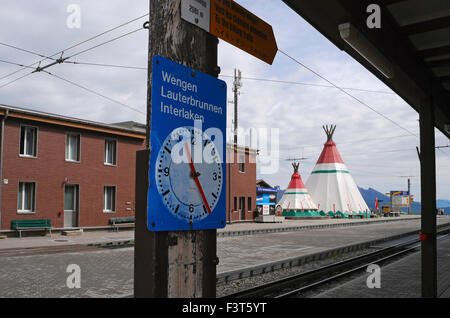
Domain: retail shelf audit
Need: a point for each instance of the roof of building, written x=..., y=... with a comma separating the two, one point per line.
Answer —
x=129, y=130
x=249, y=150
x=262, y=183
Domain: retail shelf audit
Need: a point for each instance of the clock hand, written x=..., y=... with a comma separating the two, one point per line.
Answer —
x=195, y=175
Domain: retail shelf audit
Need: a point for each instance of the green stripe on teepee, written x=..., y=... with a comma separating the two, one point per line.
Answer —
x=330, y=171
x=296, y=193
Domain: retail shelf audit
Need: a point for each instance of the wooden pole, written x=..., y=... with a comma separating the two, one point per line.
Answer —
x=176, y=263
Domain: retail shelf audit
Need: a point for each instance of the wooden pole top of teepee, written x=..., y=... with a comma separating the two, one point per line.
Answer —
x=329, y=131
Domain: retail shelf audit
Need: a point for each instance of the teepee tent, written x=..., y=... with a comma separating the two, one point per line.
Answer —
x=331, y=185
x=296, y=200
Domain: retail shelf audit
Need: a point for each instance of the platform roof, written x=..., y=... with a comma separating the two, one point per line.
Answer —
x=414, y=37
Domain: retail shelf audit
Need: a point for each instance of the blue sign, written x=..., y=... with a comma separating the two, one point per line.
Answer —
x=187, y=172
x=262, y=189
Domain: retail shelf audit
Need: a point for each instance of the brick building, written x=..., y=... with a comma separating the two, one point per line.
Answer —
x=241, y=161
x=76, y=173
x=80, y=173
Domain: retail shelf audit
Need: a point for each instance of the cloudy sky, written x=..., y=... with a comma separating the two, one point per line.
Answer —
x=376, y=151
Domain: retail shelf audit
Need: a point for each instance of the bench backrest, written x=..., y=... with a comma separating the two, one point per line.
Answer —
x=130, y=219
x=30, y=223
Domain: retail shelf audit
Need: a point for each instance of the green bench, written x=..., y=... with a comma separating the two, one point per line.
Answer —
x=31, y=225
x=122, y=222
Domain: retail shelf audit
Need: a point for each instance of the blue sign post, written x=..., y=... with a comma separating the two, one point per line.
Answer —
x=187, y=172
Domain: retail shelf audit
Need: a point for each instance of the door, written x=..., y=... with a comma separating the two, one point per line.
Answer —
x=70, y=205
x=242, y=207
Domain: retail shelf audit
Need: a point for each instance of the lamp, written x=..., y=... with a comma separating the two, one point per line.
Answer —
x=360, y=44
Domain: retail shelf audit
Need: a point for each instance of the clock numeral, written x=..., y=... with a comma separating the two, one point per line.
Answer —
x=166, y=171
x=214, y=176
x=191, y=208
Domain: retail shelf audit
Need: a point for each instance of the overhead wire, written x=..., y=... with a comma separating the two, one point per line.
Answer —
x=347, y=93
x=308, y=84
x=76, y=45
x=95, y=92
x=75, y=54
x=107, y=65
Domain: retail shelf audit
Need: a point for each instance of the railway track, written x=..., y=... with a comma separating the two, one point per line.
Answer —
x=300, y=284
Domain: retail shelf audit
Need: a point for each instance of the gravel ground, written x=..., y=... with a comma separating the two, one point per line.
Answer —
x=225, y=289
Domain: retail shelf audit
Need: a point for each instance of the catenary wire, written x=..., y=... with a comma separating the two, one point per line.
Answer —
x=307, y=84
x=94, y=92
x=14, y=80
x=107, y=65
x=347, y=93
x=78, y=44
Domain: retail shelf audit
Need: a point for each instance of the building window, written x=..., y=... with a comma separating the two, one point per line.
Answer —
x=110, y=152
x=241, y=162
x=249, y=203
x=109, y=199
x=235, y=204
x=27, y=197
x=73, y=147
x=28, y=141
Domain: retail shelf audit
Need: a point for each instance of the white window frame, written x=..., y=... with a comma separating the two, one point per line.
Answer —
x=113, y=210
x=241, y=163
x=107, y=140
x=35, y=144
x=22, y=199
x=67, y=156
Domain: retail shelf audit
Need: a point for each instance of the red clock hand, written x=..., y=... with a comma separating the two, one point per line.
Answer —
x=195, y=176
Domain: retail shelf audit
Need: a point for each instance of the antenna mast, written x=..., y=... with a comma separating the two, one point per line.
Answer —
x=237, y=84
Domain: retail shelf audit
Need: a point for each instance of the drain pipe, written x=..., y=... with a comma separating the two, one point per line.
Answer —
x=1, y=162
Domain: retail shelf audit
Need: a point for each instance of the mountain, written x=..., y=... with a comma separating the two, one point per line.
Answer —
x=370, y=194
x=442, y=204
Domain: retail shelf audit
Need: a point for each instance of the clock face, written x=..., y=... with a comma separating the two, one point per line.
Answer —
x=189, y=174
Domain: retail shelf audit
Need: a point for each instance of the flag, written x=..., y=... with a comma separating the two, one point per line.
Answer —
x=376, y=203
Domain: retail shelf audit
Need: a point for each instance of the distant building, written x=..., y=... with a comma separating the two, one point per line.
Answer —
x=266, y=195
x=241, y=162
x=75, y=172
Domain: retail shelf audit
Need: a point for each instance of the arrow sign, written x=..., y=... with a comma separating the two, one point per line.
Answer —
x=241, y=28
x=233, y=23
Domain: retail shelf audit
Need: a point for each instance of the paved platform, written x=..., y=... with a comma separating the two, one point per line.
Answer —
x=244, y=228
x=109, y=272
x=236, y=252
x=400, y=279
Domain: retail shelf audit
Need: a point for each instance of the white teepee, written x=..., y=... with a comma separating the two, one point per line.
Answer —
x=332, y=187
x=296, y=200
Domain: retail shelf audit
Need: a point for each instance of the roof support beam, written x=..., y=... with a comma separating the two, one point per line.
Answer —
x=439, y=63
x=426, y=26
x=389, y=2
x=442, y=50
x=445, y=79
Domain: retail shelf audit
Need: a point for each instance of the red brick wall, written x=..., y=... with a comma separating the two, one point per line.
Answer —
x=50, y=169
x=243, y=184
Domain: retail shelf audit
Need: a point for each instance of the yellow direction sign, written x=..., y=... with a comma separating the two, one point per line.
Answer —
x=233, y=23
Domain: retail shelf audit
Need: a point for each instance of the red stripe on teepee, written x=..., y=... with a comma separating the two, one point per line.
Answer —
x=330, y=154
x=296, y=182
